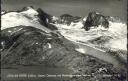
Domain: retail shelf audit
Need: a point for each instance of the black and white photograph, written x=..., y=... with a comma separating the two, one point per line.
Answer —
x=63, y=40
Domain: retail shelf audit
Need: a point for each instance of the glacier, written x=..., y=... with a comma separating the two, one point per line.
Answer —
x=117, y=31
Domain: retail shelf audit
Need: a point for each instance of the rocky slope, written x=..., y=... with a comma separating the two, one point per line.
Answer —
x=30, y=46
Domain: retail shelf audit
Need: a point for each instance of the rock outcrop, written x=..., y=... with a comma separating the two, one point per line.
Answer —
x=67, y=19
x=95, y=19
x=46, y=19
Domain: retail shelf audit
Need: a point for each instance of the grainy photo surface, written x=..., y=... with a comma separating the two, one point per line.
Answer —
x=63, y=40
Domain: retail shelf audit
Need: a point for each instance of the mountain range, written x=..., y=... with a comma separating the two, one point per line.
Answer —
x=34, y=37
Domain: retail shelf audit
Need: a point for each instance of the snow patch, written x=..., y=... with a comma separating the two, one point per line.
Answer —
x=9, y=31
x=49, y=45
x=81, y=50
x=118, y=44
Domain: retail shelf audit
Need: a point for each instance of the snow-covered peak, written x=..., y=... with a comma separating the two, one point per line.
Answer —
x=27, y=17
x=30, y=12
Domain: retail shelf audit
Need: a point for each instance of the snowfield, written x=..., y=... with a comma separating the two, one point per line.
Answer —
x=25, y=18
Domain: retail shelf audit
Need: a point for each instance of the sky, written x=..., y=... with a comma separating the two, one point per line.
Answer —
x=73, y=7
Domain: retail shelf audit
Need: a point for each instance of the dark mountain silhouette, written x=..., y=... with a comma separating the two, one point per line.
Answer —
x=45, y=19
x=95, y=19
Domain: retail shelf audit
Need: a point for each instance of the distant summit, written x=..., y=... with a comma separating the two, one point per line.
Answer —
x=27, y=8
x=67, y=19
x=28, y=16
x=95, y=19
x=45, y=19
